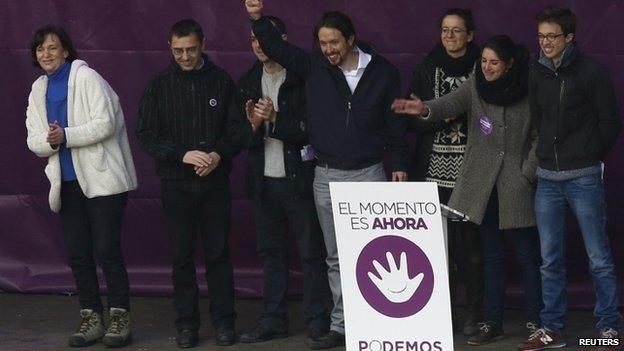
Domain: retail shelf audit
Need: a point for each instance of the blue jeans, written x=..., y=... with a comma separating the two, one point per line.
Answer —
x=585, y=196
x=525, y=242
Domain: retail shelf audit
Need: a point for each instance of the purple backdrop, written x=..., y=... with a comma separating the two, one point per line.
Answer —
x=126, y=42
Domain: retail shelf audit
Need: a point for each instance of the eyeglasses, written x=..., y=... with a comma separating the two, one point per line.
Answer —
x=448, y=31
x=192, y=51
x=548, y=37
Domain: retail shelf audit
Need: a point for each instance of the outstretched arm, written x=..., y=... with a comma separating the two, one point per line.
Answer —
x=454, y=103
x=288, y=55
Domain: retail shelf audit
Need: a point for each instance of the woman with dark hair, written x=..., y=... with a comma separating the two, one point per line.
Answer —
x=495, y=186
x=439, y=151
x=75, y=120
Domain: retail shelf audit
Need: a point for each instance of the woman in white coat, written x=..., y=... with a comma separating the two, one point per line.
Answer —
x=75, y=120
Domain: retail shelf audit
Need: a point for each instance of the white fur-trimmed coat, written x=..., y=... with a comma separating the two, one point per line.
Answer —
x=96, y=135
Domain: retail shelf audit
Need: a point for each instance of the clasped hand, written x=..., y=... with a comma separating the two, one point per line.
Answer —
x=56, y=135
x=261, y=111
x=203, y=162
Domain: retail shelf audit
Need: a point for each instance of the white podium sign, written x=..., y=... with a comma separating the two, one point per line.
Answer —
x=393, y=266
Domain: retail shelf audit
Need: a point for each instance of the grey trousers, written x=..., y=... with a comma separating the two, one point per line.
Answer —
x=322, y=177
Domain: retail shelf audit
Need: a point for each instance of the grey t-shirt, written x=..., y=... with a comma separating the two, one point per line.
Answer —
x=273, y=148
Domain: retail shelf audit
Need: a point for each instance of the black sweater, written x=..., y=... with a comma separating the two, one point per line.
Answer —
x=289, y=127
x=576, y=112
x=189, y=110
x=347, y=131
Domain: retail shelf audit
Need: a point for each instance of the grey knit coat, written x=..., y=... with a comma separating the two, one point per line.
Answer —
x=500, y=152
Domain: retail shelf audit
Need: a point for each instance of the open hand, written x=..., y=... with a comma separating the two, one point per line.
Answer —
x=412, y=106
x=395, y=284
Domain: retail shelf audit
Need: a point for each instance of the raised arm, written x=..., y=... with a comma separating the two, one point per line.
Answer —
x=288, y=55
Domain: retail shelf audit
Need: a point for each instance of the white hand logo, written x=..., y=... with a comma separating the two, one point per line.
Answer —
x=395, y=284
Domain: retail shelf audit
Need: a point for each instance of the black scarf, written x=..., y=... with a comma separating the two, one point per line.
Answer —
x=454, y=67
x=510, y=88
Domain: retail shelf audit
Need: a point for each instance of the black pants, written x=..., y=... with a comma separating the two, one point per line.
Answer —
x=466, y=264
x=465, y=260
x=94, y=225
x=526, y=245
x=206, y=212
x=278, y=210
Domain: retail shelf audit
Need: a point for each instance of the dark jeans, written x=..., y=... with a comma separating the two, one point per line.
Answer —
x=278, y=210
x=206, y=212
x=525, y=242
x=466, y=264
x=94, y=225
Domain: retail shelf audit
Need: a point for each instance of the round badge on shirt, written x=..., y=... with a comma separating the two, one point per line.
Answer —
x=485, y=125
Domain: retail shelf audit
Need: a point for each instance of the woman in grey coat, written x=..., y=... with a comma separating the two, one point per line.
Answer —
x=495, y=187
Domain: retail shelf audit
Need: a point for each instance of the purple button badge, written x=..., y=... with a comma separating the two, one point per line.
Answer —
x=486, y=125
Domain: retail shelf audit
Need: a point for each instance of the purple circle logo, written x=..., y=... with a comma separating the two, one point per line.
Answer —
x=394, y=276
x=486, y=125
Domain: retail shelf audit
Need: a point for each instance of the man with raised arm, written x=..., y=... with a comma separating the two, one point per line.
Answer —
x=279, y=180
x=349, y=89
